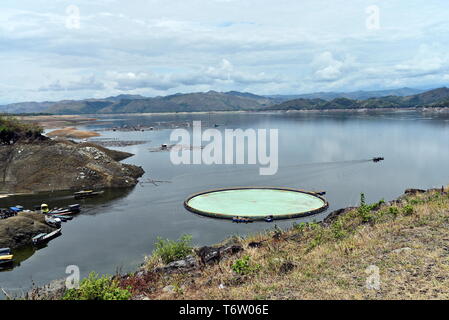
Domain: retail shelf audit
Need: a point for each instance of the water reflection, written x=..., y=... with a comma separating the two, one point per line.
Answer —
x=316, y=152
x=89, y=206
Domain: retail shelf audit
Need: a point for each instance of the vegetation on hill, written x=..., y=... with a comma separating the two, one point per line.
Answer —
x=13, y=130
x=394, y=250
x=239, y=101
x=432, y=98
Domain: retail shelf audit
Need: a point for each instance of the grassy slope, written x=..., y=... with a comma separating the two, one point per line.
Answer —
x=330, y=260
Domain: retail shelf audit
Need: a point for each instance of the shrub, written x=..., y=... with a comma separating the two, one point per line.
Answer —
x=170, y=250
x=97, y=288
x=408, y=210
x=244, y=266
x=338, y=229
x=12, y=130
x=393, y=211
x=364, y=211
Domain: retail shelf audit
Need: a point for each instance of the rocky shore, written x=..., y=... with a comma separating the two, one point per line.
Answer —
x=16, y=232
x=51, y=165
x=405, y=238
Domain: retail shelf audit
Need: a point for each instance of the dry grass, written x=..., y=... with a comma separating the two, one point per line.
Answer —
x=409, y=244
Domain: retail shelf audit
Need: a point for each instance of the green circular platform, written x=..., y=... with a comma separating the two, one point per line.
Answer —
x=256, y=203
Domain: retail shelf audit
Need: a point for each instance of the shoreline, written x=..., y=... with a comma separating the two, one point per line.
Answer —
x=311, y=253
x=77, y=119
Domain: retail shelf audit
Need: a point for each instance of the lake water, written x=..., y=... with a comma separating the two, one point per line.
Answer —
x=316, y=152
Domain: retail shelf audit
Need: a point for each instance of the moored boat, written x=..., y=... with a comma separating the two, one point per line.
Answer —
x=52, y=221
x=72, y=209
x=6, y=257
x=241, y=220
x=86, y=194
x=43, y=238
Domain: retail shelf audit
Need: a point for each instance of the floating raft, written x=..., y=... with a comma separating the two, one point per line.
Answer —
x=256, y=203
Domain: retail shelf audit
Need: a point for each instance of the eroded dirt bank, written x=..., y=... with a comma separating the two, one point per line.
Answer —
x=63, y=165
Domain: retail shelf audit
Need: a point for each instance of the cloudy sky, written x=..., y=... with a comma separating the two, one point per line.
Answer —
x=57, y=49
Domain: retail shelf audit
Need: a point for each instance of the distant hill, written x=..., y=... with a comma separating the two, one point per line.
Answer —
x=25, y=107
x=233, y=101
x=356, y=95
x=190, y=102
x=431, y=98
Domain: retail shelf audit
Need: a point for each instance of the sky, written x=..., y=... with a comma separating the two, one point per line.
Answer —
x=56, y=49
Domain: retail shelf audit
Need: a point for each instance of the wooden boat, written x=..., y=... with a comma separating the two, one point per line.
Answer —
x=241, y=220
x=52, y=221
x=72, y=209
x=43, y=238
x=6, y=257
x=86, y=194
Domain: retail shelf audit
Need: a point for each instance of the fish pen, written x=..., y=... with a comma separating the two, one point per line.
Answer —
x=256, y=203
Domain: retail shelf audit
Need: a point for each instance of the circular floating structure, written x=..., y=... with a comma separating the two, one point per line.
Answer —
x=256, y=203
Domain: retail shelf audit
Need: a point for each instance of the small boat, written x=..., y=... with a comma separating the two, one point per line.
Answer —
x=6, y=257
x=269, y=219
x=320, y=193
x=86, y=194
x=43, y=238
x=16, y=209
x=241, y=220
x=72, y=209
x=53, y=221
x=378, y=159
x=63, y=218
x=7, y=213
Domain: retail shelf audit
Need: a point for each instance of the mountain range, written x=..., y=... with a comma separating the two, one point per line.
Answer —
x=234, y=101
x=356, y=95
x=432, y=98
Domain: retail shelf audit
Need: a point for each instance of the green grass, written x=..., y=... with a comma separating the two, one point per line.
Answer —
x=98, y=288
x=244, y=266
x=170, y=250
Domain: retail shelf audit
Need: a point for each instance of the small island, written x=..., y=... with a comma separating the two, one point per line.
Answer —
x=31, y=162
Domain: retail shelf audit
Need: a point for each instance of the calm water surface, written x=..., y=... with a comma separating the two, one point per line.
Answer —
x=316, y=152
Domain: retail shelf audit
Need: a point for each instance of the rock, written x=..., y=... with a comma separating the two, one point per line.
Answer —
x=187, y=264
x=414, y=191
x=210, y=255
x=401, y=250
x=231, y=250
x=286, y=267
x=18, y=231
x=53, y=291
x=63, y=165
x=255, y=244
x=169, y=289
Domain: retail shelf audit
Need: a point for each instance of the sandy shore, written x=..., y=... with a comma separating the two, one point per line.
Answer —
x=58, y=121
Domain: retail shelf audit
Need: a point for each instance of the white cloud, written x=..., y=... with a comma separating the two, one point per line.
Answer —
x=83, y=83
x=162, y=47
